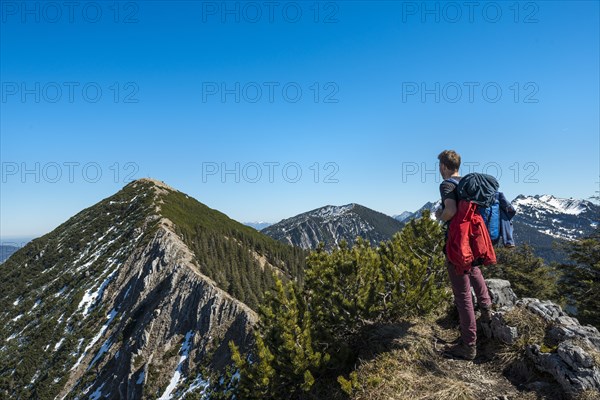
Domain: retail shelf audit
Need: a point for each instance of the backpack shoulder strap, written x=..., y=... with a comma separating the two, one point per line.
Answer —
x=452, y=180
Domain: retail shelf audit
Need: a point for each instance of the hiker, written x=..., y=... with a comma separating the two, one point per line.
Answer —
x=461, y=282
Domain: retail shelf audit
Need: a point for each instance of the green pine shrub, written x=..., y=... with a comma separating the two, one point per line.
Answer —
x=308, y=337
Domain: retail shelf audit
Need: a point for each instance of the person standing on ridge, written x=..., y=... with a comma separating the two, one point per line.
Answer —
x=461, y=283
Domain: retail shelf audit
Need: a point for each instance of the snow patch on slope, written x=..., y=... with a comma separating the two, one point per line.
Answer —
x=97, y=394
x=551, y=204
x=92, y=297
x=185, y=351
x=331, y=212
x=111, y=315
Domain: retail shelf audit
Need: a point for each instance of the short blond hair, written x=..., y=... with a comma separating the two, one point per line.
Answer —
x=450, y=159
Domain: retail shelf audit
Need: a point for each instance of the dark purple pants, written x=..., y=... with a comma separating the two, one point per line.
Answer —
x=461, y=286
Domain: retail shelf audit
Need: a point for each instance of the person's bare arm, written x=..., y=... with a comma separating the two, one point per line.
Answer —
x=449, y=210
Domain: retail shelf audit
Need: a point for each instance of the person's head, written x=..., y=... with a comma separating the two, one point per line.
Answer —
x=449, y=163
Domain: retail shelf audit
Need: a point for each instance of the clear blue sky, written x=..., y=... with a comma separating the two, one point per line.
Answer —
x=189, y=88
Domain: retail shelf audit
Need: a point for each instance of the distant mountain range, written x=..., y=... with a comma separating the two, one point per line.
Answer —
x=559, y=218
x=408, y=215
x=403, y=217
x=544, y=221
x=258, y=225
x=6, y=251
x=332, y=224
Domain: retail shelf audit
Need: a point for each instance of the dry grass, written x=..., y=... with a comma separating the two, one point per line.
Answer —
x=391, y=377
x=531, y=329
x=409, y=372
x=588, y=395
x=407, y=364
x=595, y=355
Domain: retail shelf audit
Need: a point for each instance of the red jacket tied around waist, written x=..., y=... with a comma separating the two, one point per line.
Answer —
x=468, y=242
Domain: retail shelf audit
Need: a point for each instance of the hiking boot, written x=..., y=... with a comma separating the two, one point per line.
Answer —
x=461, y=351
x=486, y=314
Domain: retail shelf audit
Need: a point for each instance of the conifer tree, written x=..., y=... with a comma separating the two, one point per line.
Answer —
x=581, y=278
x=342, y=289
x=255, y=380
x=528, y=274
x=414, y=275
x=285, y=361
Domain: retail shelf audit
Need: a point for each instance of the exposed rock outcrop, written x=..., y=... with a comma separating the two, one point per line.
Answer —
x=501, y=293
x=572, y=361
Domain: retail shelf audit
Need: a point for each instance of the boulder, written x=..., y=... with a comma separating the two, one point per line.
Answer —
x=571, y=366
x=497, y=328
x=572, y=363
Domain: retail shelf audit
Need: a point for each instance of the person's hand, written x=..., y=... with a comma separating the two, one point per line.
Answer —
x=438, y=213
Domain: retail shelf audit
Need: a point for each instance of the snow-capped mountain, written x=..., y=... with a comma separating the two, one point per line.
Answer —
x=407, y=215
x=546, y=221
x=332, y=224
x=403, y=216
x=132, y=298
x=560, y=218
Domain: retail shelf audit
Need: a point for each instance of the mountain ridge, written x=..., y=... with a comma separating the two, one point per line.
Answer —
x=106, y=303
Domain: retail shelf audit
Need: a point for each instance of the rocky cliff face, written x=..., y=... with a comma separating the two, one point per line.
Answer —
x=115, y=304
x=164, y=317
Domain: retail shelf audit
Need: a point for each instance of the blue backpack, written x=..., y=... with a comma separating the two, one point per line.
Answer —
x=491, y=216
